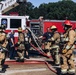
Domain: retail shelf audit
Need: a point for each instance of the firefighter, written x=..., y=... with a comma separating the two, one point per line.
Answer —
x=3, y=44
x=11, y=45
x=20, y=45
x=28, y=38
x=54, y=48
x=45, y=41
x=68, y=39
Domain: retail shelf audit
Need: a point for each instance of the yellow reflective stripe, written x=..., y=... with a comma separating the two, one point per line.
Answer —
x=68, y=47
x=52, y=39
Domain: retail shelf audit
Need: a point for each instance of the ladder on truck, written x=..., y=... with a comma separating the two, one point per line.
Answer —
x=6, y=5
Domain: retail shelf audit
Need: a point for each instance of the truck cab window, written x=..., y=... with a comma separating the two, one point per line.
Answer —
x=15, y=23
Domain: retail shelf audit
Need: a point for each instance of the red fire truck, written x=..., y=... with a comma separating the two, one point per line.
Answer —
x=12, y=22
x=40, y=27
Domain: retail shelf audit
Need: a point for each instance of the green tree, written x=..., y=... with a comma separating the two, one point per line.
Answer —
x=53, y=10
x=59, y=10
x=24, y=9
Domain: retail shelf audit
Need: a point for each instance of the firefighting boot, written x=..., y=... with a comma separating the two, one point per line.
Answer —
x=64, y=68
x=71, y=69
x=21, y=59
x=0, y=67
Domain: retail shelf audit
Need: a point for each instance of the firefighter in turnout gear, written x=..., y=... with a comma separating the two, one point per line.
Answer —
x=20, y=45
x=45, y=41
x=3, y=44
x=68, y=39
x=54, y=48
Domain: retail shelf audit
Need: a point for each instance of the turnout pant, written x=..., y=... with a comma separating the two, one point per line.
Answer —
x=68, y=62
x=2, y=58
x=55, y=54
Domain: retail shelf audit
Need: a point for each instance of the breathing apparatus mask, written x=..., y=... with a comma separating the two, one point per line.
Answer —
x=66, y=27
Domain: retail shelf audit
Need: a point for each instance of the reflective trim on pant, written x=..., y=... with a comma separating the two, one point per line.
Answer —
x=55, y=54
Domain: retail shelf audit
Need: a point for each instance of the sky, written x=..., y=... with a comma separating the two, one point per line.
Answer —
x=38, y=2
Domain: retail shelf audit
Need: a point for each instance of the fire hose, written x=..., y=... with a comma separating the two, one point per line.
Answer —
x=52, y=69
x=44, y=54
x=41, y=51
x=34, y=37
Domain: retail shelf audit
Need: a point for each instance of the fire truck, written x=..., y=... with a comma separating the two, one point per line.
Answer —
x=39, y=27
x=12, y=22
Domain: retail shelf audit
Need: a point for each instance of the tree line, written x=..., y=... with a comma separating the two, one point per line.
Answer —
x=53, y=10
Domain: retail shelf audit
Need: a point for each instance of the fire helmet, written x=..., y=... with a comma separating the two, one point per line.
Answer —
x=19, y=29
x=53, y=27
x=67, y=23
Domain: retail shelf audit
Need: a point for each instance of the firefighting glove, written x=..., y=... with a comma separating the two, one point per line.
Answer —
x=64, y=51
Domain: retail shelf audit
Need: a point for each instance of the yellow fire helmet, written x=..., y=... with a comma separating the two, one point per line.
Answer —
x=20, y=29
x=53, y=27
